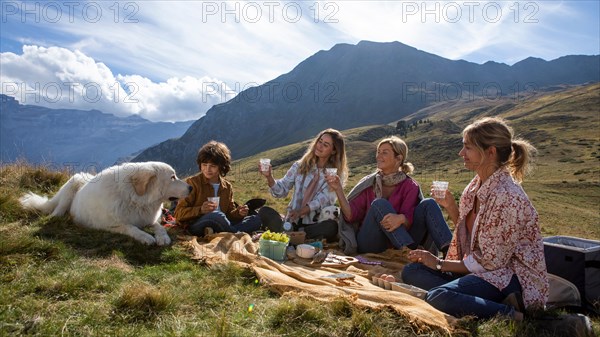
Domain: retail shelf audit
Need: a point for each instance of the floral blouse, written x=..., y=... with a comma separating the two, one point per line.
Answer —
x=294, y=179
x=506, y=237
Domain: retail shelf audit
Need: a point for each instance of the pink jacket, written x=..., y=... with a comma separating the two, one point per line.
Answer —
x=404, y=199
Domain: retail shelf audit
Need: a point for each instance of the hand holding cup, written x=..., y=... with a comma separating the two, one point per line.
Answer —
x=265, y=166
x=443, y=197
x=215, y=201
x=334, y=182
x=438, y=189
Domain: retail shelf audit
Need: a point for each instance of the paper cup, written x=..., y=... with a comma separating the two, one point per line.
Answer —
x=439, y=188
x=216, y=201
x=265, y=163
x=330, y=171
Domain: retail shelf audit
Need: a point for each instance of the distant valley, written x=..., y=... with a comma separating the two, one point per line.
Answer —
x=82, y=140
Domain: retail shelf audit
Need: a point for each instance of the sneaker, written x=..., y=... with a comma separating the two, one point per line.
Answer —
x=208, y=231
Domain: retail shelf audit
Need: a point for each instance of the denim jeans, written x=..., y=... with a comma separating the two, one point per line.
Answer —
x=372, y=237
x=219, y=223
x=429, y=229
x=428, y=224
x=460, y=295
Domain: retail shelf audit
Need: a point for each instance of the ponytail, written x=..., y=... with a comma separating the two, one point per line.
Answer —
x=519, y=163
x=407, y=168
x=514, y=154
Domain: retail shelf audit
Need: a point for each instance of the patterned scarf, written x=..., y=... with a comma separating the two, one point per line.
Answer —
x=387, y=180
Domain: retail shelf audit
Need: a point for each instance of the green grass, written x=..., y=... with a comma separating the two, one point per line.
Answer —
x=60, y=279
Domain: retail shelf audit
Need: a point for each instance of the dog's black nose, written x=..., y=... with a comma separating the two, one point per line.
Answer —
x=336, y=213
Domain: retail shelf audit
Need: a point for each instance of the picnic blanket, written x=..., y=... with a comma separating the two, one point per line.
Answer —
x=299, y=277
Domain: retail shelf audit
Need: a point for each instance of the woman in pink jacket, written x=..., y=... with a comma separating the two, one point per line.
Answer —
x=495, y=264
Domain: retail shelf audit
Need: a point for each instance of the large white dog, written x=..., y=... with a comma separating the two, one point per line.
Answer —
x=120, y=199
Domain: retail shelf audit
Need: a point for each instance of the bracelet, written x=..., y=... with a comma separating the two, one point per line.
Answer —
x=438, y=265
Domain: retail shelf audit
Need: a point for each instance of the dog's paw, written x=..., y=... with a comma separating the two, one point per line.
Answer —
x=146, y=239
x=163, y=240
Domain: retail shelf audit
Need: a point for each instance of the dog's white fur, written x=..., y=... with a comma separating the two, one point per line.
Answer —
x=329, y=213
x=121, y=199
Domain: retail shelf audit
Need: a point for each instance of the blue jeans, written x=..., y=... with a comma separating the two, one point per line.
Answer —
x=428, y=223
x=372, y=237
x=460, y=295
x=429, y=228
x=219, y=223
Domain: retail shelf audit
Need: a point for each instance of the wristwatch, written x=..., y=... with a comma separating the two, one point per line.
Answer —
x=438, y=265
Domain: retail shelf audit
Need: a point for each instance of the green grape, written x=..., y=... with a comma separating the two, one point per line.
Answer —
x=281, y=237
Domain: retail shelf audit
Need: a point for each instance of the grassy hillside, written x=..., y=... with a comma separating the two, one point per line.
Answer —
x=564, y=126
x=59, y=279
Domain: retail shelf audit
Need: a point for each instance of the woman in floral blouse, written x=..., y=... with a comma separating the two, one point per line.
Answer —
x=495, y=264
x=307, y=178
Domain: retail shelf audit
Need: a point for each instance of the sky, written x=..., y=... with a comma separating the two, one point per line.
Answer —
x=173, y=60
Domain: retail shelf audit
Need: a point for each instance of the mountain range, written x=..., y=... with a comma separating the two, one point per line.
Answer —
x=356, y=85
x=80, y=139
x=345, y=87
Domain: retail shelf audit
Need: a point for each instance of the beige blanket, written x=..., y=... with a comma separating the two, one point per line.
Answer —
x=298, y=276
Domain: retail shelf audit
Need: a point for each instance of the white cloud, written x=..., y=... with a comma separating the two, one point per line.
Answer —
x=59, y=78
x=163, y=39
x=184, y=98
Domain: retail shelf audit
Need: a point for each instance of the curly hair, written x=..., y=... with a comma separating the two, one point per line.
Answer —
x=215, y=153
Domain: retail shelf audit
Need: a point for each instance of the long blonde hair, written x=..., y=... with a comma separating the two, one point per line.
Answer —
x=400, y=148
x=514, y=154
x=337, y=158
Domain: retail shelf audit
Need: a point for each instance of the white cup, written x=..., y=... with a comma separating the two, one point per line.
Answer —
x=439, y=189
x=215, y=200
x=330, y=171
x=264, y=164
